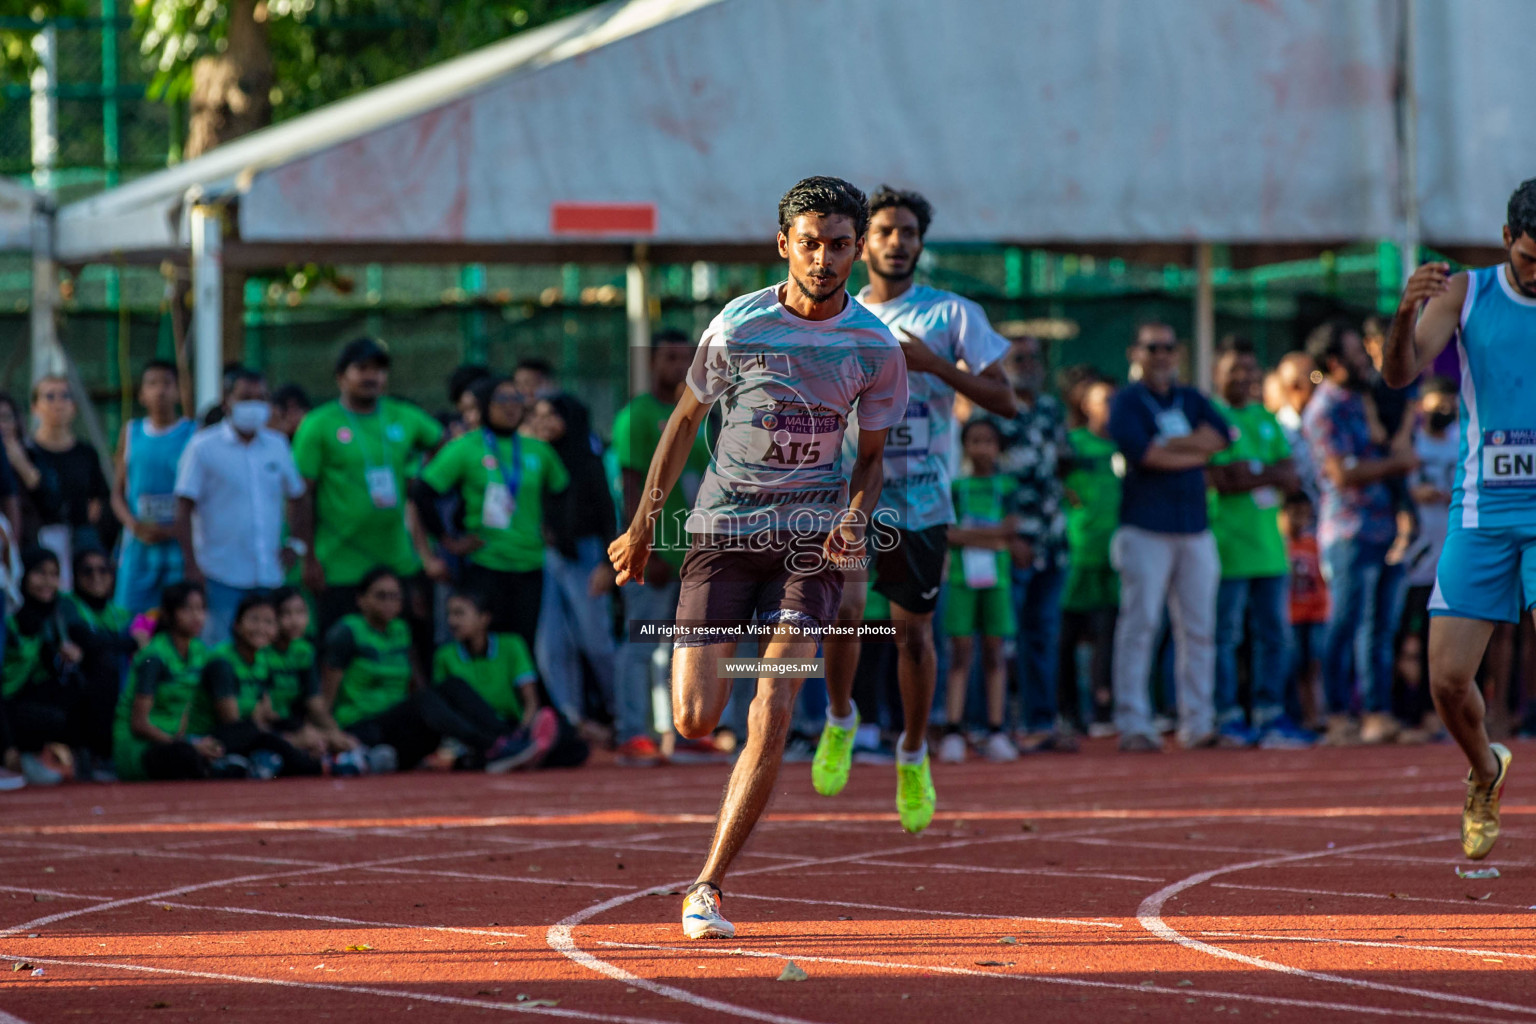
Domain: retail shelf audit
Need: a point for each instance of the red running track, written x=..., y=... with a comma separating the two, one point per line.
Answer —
x=1289, y=886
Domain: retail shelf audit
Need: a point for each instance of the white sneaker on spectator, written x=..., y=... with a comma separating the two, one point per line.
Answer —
x=952, y=749
x=1000, y=748
x=10, y=780
x=36, y=773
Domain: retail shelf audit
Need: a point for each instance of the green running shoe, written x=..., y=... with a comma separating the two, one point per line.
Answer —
x=834, y=758
x=914, y=795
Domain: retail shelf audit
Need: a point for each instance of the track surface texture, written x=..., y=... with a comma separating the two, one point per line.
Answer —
x=1311, y=886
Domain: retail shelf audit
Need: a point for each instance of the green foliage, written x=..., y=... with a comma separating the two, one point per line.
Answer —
x=16, y=56
x=323, y=50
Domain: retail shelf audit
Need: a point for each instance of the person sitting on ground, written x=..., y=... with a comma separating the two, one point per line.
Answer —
x=50, y=707
x=979, y=598
x=234, y=704
x=374, y=689
x=151, y=739
x=105, y=639
x=294, y=708
x=498, y=669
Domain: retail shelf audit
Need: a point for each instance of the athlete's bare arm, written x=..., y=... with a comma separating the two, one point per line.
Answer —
x=864, y=484
x=988, y=389
x=1416, y=339
x=630, y=551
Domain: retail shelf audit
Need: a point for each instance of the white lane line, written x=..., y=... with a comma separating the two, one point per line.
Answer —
x=914, y=910
x=1047, y=979
x=358, y=922
x=1463, y=902
x=6, y=1018
x=1045, y=872
x=561, y=935
x=370, y=990
x=56, y=894
x=474, y=877
x=1375, y=945
x=1150, y=916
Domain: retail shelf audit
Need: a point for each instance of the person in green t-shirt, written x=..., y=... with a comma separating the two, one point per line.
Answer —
x=503, y=478
x=294, y=708
x=356, y=456
x=1090, y=604
x=154, y=736
x=496, y=670
x=374, y=689
x=1249, y=481
x=979, y=598
x=636, y=434
x=235, y=695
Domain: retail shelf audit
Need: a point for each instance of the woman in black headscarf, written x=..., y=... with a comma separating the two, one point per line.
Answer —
x=577, y=620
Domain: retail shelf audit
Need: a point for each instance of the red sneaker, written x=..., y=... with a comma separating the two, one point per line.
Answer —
x=702, y=751
x=640, y=752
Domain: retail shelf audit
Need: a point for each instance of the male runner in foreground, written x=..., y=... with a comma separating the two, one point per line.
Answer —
x=780, y=514
x=1490, y=549
x=937, y=329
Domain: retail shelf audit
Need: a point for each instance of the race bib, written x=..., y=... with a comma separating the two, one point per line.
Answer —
x=1266, y=497
x=1509, y=458
x=1172, y=423
x=785, y=440
x=912, y=433
x=496, y=511
x=157, y=508
x=980, y=568
x=381, y=487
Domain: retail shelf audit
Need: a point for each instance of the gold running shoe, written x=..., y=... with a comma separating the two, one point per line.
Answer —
x=1480, y=817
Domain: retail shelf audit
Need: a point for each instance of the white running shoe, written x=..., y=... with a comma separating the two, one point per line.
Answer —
x=701, y=914
x=1000, y=748
x=952, y=749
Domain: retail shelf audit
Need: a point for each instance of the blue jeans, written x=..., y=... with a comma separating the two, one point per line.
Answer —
x=1367, y=598
x=222, y=603
x=1037, y=600
x=637, y=667
x=573, y=624
x=1264, y=603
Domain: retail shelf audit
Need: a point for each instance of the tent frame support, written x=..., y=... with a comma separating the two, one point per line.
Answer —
x=207, y=229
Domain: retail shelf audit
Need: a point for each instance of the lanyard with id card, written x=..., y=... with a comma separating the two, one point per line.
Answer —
x=500, y=502
x=383, y=489
x=1171, y=422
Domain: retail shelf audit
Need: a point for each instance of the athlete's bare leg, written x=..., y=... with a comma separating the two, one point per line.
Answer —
x=842, y=654
x=699, y=694
x=917, y=666
x=1456, y=649
x=757, y=769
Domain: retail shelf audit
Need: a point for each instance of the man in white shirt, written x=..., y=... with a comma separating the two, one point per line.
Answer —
x=230, y=491
x=1298, y=378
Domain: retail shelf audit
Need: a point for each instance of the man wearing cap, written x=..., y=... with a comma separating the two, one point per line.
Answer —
x=356, y=455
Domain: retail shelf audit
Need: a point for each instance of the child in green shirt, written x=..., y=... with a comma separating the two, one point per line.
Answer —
x=979, y=599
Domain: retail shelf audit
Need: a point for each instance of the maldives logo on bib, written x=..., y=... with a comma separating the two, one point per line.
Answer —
x=1509, y=458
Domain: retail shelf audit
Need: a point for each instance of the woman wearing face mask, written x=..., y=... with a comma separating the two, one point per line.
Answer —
x=48, y=705
x=503, y=478
x=71, y=493
x=231, y=486
x=579, y=522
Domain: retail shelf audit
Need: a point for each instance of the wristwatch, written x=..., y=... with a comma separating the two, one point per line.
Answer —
x=297, y=546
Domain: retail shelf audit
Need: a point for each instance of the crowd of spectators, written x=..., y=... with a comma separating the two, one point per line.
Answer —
x=358, y=586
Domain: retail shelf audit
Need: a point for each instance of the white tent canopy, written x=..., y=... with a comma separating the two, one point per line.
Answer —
x=680, y=122
x=17, y=202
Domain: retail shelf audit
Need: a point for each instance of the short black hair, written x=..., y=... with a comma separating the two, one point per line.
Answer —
x=670, y=336
x=1326, y=342
x=887, y=197
x=536, y=364
x=290, y=395
x=1521, y=215
x=260, y=599
x=980, y=421
x=373, y=576
x=1439, y=386
x=240, y=374
x=475, y=596
x=160, y=364
x=282, y=595
x=1237, y=344
x=461, y=379
x=830, y=197
x=173, y=599
x=1298, y=498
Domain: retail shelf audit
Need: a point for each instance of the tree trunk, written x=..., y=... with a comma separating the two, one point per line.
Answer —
x=231, y=97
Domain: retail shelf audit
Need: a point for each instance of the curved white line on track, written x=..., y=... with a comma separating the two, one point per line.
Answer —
x=1150, y=914
x=1047, y=979
x=1374, y=945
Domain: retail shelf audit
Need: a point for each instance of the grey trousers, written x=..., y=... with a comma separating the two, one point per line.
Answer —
x=1183, y=571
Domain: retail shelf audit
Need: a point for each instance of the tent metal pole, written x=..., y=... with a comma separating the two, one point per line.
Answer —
x=1408, y=142
x=47, y=357
x=207, y=226
x=637, y=312
x=1205, y=318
